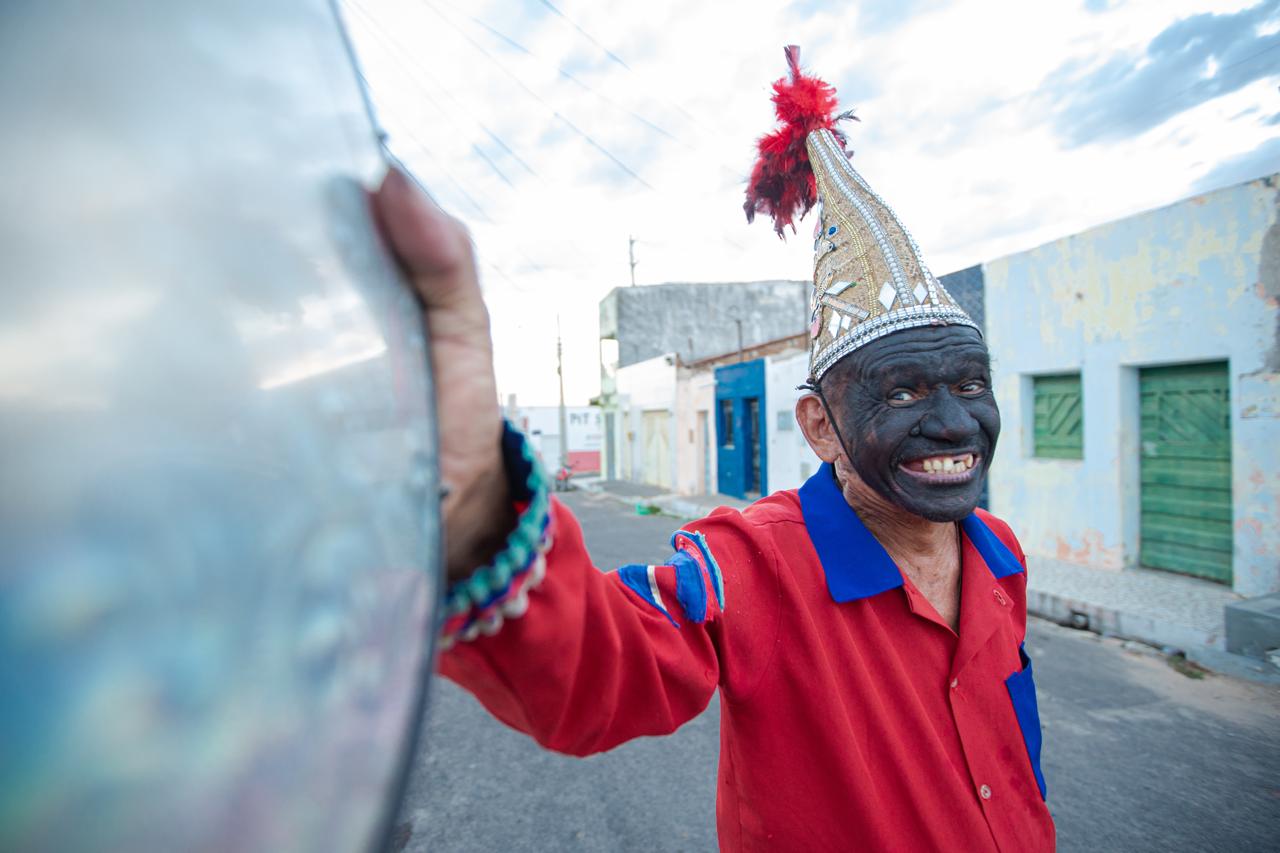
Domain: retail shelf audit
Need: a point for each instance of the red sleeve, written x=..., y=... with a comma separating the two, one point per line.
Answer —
x=598, y=659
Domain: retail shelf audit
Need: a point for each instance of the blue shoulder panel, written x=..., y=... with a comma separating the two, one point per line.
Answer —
x=713, y=568
x=691, y=589
x=639, y=579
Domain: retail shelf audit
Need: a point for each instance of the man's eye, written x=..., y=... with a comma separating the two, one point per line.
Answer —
x=973, y=386
x=901, y=395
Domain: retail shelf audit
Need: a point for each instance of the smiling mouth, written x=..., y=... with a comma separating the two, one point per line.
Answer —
x=956, y=468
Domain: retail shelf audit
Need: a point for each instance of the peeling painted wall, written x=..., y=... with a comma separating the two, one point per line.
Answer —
x=1196, y=281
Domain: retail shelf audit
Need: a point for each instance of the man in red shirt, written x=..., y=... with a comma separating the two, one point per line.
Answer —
x=865, y=631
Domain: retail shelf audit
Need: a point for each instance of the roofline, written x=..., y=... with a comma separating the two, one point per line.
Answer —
x=800, y=338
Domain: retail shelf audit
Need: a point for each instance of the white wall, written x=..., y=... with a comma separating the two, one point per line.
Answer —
x=695, y=393
x=657, y=385
x=791, y=462
x=542, y=423
x=646, y=386
x=1196, y=281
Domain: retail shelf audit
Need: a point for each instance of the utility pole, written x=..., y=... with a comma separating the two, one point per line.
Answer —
x=741, y=355
x=564, y=431
x=631, y=253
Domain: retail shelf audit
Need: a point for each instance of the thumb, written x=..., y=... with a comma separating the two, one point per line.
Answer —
x=434, y=248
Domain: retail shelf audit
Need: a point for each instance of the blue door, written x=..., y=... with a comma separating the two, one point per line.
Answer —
x=741, y=449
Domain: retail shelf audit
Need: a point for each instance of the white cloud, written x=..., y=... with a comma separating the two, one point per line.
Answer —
x=956, y=134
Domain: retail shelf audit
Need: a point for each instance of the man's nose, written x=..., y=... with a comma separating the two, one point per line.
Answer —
x=947, y=419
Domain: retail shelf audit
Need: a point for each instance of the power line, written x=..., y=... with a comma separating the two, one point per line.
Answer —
x=556, y=113
x=585, y=34
x=492, y=165
x=737, y=173
x=447, y=174
x=416, y=73
x=400, y=55
x=564, y=72
x=596, y=145
x=535, y=266
x=1159, y=105
x=400, y=58
x=690, y=116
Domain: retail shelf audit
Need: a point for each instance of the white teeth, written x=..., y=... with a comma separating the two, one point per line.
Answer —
x=947, y=465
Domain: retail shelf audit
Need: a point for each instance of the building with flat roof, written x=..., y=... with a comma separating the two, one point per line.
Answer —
x=1138, y=375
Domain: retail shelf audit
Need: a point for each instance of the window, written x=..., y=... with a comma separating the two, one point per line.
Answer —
x=1059, y=416
x=726, y=423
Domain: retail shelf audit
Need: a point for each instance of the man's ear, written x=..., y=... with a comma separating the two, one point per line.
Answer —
x=817, y=428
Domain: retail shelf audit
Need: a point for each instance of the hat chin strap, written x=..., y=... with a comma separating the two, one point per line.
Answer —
x=817, y=389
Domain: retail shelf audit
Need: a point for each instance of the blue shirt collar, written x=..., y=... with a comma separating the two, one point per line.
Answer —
x=855, y=563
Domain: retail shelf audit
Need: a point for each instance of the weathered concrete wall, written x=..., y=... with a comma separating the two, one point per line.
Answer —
x=697, y=321
x=791, y=462
x=1196, y=281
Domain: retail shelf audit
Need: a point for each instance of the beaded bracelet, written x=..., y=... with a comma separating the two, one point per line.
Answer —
x=478, y=604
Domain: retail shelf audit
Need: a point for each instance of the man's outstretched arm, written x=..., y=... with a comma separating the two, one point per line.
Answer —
x=597, y=658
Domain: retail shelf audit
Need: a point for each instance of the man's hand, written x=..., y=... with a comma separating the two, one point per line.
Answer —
x=436, y=253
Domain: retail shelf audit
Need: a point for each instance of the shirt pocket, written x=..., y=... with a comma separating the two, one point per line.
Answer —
x=1022, y=691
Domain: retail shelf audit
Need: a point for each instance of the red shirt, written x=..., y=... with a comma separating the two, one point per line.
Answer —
x=852, y=715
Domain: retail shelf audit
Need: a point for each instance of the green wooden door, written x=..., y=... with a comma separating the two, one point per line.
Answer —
x=1186, y=470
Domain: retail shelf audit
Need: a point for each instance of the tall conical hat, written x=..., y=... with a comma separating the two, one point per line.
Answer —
x=869, y=278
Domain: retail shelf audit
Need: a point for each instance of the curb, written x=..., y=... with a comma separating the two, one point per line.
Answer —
x=1110, y=621
x=1205, y=648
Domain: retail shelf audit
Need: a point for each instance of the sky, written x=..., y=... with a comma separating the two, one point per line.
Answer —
x=559, y=130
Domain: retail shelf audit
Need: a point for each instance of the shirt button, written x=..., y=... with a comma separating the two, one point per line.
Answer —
x=985, y=791
x=955, y=682
x=999, y=596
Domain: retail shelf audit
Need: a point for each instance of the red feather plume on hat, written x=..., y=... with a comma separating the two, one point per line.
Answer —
x=782, y=183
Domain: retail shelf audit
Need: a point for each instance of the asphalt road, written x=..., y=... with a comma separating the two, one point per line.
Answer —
x=1137, y=755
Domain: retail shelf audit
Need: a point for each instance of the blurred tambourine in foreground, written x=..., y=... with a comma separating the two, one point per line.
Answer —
x=218, y=493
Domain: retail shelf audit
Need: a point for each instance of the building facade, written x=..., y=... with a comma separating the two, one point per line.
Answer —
x=696, y=423
x=657, y=337
x=584, y=425
x=721, y=425
x=641, y=425
x=1138, y=374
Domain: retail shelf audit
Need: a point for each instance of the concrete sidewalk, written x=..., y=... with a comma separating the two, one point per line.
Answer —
x=684, y=507
x=1171, y=612
x=1156, y=607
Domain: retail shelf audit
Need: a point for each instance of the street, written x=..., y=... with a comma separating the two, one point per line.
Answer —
x=1138, y=755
